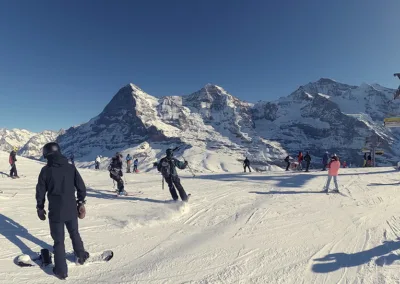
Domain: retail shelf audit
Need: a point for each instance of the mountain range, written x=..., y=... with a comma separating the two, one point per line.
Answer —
x=216, y=130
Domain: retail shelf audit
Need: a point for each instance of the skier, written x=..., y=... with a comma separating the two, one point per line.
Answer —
x=325, y=160
x=72, y=158
x=300, y=160
x=135, y=165
x=59, y=179
x=97, y=163
x=307, y=158
x=128, y=163
x=167, y=166
x=246, y=164
x=12, y=159
x=344, y=164
x=287, y=161
x=369, y=163
x=365, y=160
x=334, y=166
x=115, y=169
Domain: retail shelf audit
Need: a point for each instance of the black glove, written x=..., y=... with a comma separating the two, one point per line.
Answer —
x=186, y=163
x=41, y=214
x=80, y=206
x=155, y=164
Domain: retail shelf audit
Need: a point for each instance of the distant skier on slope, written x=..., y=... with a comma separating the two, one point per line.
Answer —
x=12, y=159
x=287, y=161
x=246, y=164
x=59, y=180
x=167, y=166
x=334, y=166
x=115, y=169
x=365, y=160
x=97, y=163
x=300, y=160
x=369, y=163
x=72, y=158
x=135, y=165
x=325, y=161
x=307, y=158
x=128, y=163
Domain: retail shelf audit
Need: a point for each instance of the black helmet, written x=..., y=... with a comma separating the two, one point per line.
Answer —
x=51, y=148
x=169, y=153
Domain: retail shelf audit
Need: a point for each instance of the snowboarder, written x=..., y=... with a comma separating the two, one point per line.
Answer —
x=167, y=166
x=72, y=159
x=325, y=161
x=246, y=164
x=115, y=169
x=287, y=161
x=334, y=166
x=128, y=163
x=300, y=160
x=307, y=158
x=97, y=163
x=59, y=180
x=12, y=159
x=135, y=165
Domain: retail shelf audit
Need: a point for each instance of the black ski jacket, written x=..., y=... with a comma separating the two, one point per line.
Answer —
x=246, y=162
x=168, y=166
x=307, y=158
x=59, y=179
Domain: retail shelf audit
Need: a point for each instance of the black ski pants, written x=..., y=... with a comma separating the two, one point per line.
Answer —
x=307, y=166
x=287, y=165
x=57, y=231
x=118, y=179
x=97, y=165
x=13, y=171
x=247, y=166
x=134, y=168
x=175, y=182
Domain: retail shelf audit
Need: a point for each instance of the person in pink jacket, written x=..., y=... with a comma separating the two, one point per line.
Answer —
x=334, y=166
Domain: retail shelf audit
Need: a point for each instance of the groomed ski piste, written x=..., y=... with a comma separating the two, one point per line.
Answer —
x=274, y=227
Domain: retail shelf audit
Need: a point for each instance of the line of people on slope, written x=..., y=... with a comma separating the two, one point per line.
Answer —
x=128, y=163
x=307, y=159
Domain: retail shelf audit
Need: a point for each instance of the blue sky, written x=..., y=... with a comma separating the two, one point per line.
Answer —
x=62, y=61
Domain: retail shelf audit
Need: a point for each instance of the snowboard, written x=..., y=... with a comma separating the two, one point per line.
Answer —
x=25, y=260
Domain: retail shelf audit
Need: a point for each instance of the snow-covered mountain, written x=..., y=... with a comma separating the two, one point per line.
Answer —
x=217, y=130
x=29, y=143
x=33, y=148
x=10, y=138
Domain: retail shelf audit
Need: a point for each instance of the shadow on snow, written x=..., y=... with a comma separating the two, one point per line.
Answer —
x=106, y=195
x=335, y=261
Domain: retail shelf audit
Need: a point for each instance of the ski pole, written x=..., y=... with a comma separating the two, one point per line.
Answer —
x=187, y=164
x=163, y=183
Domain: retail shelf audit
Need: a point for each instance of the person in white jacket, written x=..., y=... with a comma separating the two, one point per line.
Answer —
x=97, y=163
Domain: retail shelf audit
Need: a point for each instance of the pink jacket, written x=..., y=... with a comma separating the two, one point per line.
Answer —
x=334, y=168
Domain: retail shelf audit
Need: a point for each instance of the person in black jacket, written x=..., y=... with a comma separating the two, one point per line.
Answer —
x=115, y=169
x=246, y=164
x=287, y=160
x=12, y=159
x=59, y=179
x=167, y=166
x=307, y=158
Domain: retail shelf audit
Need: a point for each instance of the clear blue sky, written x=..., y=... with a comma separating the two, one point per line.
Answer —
x=62, y=61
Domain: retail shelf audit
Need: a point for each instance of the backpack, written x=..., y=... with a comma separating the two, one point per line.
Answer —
x=165, y=167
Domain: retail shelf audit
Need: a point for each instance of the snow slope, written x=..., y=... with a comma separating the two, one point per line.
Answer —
x=238, y=228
